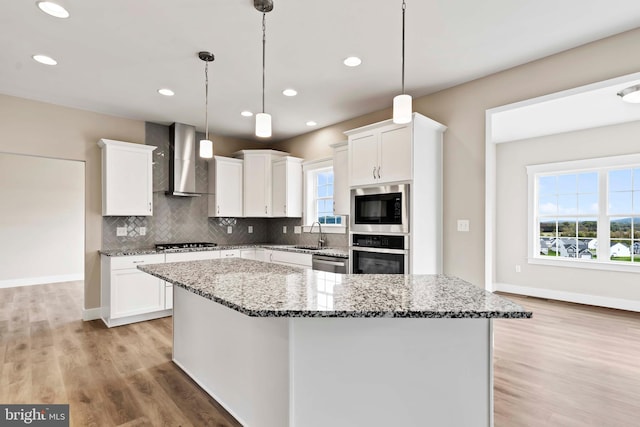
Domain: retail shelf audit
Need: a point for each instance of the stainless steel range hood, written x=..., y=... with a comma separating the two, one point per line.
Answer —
x=182, y=161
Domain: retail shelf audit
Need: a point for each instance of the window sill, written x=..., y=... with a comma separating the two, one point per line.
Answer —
x=326, y=229
x=588, y=265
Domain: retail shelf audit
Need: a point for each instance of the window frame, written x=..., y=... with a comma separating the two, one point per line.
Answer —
x=310, y=170
x=602, y=166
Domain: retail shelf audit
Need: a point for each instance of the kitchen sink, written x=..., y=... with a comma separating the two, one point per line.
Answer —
x=309, y=248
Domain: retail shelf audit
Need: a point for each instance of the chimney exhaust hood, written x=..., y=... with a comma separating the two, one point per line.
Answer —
x=182, y=161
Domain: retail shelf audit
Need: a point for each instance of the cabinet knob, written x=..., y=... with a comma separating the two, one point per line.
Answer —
x=265, y=209
x=149, y=206
x=374, y=172
x=218, y=209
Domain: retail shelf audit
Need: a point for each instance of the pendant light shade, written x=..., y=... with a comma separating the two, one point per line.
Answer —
x=402, y=105
x=402, y=109
x=206, y=145
x=263, y=125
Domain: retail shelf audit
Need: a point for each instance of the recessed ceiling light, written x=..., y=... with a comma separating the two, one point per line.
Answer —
x=289, y=92
x=311, y=123
x=53, y=9
x=352, y=61
x=246, y=114
x=631, y=94
x=44, y=59
x=166, y=92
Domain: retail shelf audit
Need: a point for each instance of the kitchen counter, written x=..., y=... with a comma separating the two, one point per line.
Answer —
x=337, y=252
x=260, y=289
x=281, y=346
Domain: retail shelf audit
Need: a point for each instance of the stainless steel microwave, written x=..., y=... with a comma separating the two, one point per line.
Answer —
x=380, y=209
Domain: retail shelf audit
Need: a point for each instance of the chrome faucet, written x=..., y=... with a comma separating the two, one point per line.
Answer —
x=321, y=241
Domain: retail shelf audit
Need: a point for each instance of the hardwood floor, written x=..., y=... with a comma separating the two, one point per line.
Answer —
x=110, y=377
x=570, y=365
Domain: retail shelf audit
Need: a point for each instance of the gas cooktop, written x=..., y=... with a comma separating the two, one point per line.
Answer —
x=166, y=246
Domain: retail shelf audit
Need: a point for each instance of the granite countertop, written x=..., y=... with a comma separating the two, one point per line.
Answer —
x=337, y=252
x=270, y=290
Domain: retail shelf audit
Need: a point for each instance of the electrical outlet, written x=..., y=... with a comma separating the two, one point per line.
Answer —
x=284, y=229
x=518, y=269
x=297, y=229
x=142, y=231
x=121, y=231
x=250, y=229
x=229, y=229
x=463, y=225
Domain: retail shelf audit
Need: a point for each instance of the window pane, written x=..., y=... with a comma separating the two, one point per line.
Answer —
x=567, y=184
x=567, y=204
x=588, y=227
x=636, y=228
x=546, y=246
x=620, y=202
x=620, y=180
x=588, y=248
x=547, y=185
x=322, y=178
x=330, y=190
x=548, y=205
x=548, y=229
x=588, y=182
x=567, y=227
x=331, y=219
x=323, y=191
x=636, y=250
x=620, y=250
x=636, y=179
x=339, y=220
x=636, y=202
x=620, y=228
x=587, y=204
x=567, y=247
x=330, y=177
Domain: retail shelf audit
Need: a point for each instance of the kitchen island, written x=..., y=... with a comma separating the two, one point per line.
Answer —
x=281, y=346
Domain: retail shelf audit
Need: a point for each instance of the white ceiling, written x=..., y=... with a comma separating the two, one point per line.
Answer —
x=113, y=55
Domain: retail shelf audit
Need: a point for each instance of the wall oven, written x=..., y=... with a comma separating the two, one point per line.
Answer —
x=380, y=209
x=379, y=254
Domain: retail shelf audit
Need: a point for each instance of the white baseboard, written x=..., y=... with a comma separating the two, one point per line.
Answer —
x=619, y=303
x=42, y=280
x=91, y=313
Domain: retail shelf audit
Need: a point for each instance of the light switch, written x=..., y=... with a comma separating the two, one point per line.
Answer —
x=297, y=229
x=463, y=225
x=121, y=231
x=250, y=229
x=143, y=231
x=229, y=229
x=284, y=229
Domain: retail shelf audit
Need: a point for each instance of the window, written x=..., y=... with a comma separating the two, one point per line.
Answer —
x=586, y=213
x=319, y=204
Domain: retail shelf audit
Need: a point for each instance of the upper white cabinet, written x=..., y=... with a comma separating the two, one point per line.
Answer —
x=225, y=181
x=257, y=181
x=287, y=187
x=127, y=178
x=380, y=153
x=340, y=179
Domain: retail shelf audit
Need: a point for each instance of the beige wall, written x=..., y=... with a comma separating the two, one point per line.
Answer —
x=462, y=109
x=512, y=204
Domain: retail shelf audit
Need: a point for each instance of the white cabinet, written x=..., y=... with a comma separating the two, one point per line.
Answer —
x=129, y=295
x=286, y=185
x=294, y=259
x=380, y=154
x=127, y=178
x=257, y=178
x=225, y=182
x=230, y=253
x=341, y=179
x=191, y=256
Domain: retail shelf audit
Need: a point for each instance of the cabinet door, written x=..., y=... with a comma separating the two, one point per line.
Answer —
x=363, y=157
x=291, y=258
x=135, y=292
x=395, y=154
x=228, y=188
x=341, y=181
x=257, y=180
x=279, y=188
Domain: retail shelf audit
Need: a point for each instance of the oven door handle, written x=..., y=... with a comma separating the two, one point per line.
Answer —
x=380, y=250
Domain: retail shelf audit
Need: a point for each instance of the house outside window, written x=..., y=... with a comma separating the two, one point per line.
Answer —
x=319, y=203
x=586, y=213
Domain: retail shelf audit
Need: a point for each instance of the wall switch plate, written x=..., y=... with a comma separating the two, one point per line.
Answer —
x=297, y=229
x=463, y=225
x=284, y=229
x=229, y=229
x=250, y=229
x=142, y=231
x=518, y=269
x=121, y=231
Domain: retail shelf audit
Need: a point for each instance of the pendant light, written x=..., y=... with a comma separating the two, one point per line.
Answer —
x=263, y=120
x=206, y=145
x=402, y=109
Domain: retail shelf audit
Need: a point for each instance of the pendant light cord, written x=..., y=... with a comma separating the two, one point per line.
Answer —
x=404, y=7
x=264, y=44
x=206, y=100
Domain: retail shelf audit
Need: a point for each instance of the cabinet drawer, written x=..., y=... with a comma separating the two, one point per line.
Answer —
x=303, y=260
x=230, y=253
x=192, y=256
x=133, y=261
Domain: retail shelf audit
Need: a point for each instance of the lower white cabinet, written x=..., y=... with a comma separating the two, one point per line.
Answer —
x=294, y=259
x=129, y=295
x=230, y=253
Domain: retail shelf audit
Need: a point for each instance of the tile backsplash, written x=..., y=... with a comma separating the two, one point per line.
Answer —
x=184, y=219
